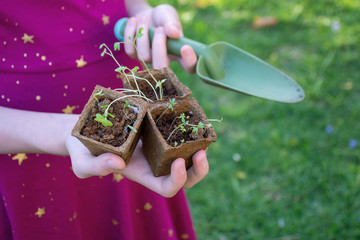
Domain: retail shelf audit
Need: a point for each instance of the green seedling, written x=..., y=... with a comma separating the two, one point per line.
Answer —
x=181, y=126
x=170, y=104
x=124, y=70
x=98, y=95
x=103, y=118
x=126, y=106
x=161, y=89
x=185, y=123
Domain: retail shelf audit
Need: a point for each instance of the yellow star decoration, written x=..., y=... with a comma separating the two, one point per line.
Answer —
x=171, y=232
x=74, y=217
x=117, y=177
x=80, y=62
x=147, y=206
x=40, y=212
x=114, y=222
x=184, y=236
x=69, y=109
x=105, y=19
x=27, y=38
x=20, y=157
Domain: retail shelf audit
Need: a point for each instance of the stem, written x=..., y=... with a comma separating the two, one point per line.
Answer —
x=133, y=75
x=107, y=109
x=142, y=60
x=161, y=93
x=215, y=120
x=126, y=114
x=140, y=78
x=161, y=115
x=137, y=84
x=125, y=90
x=172, y=133
x=173, y=122
x=113, y=57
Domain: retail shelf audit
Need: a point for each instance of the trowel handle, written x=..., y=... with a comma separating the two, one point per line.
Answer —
x=173, y=45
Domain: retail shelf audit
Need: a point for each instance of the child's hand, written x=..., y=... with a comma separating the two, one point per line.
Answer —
x=85, y=165
x=139, y=171
x=166, y=19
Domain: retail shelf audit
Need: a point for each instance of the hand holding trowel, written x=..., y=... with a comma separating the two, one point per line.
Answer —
x=224, y=65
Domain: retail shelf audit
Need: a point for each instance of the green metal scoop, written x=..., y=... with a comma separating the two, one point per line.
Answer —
x=226, y=66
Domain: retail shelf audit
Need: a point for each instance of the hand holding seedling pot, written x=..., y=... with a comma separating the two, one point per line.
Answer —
x=175, y=126
x=224, y=65
x=111, y=122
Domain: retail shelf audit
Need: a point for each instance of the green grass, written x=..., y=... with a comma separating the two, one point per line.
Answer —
x=294, y=180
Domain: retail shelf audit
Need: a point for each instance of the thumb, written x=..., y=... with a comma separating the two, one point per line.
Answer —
x=114, y=163
x=102, y=165
x=166, y=16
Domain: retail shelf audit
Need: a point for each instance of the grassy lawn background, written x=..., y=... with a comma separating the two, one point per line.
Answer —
x=281, y=171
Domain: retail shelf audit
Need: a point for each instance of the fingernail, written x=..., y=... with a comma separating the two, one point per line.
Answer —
x=187, y=52
x=173, y=27
x=203, y=163
x=183, y=169
x=114, y=165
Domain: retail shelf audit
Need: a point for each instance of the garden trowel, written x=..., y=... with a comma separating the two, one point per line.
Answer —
x=227, y=66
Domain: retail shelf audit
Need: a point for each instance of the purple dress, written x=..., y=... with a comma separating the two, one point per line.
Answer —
x=50, y=62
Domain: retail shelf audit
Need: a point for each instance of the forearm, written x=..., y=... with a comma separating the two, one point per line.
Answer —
x=34, y=132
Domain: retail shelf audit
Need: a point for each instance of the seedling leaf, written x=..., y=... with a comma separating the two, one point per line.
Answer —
x=120, y=69
x=102, y=45
x=135, y=69
x=103, y=120
x=132, y=128
x=117, y=46
x=139, y=34
x=103, y=52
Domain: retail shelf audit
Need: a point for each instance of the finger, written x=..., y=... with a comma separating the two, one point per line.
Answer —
x=166, y=15
x=84, y=164
x=159, y=51
x=176, y=180
x=188, y=59
x=143, y=44
x=98, y=166
x=173, y=30
x=138, y=170
x=199, y=169
x=130, y=30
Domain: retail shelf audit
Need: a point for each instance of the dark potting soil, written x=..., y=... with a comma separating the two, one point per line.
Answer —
x=116, y=134
x=169, y=121
x=168, y=90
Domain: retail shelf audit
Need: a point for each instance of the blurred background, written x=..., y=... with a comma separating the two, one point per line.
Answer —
x=281, y=171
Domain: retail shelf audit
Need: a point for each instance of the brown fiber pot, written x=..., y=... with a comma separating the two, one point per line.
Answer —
x=172, y=82
x=126, y=150
x=157, y=151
